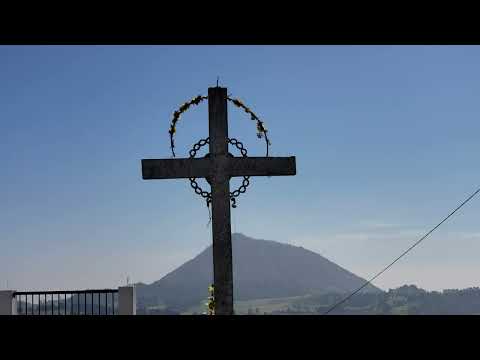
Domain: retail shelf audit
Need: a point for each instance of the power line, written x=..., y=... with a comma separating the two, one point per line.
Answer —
x=404, y=253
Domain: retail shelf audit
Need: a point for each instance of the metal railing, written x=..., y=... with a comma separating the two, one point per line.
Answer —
x=76, y=302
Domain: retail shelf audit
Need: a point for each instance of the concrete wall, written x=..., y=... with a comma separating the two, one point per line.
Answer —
x=127, y=300
x=8, y=304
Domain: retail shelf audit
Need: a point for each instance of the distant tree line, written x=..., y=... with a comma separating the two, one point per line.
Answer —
x=405, y=300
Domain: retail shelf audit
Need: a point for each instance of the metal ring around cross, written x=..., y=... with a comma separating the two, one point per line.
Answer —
x=207, y=195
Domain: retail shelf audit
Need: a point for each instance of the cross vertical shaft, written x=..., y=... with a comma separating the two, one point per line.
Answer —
x=220, y=184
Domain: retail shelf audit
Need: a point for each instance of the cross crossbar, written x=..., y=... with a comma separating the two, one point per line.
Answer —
x=203, y=167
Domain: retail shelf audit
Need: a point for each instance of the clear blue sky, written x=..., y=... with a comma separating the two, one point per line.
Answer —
x=386, y=140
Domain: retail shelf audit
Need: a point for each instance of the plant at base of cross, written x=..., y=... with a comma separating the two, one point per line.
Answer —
x=211, y=301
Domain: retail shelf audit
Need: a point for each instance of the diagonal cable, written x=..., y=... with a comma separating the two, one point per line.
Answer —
x=403, y=254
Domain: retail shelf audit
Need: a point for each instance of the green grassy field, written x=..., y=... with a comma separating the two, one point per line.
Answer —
x=242, y=307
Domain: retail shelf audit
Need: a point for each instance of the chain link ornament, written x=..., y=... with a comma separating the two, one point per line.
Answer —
x=207, y=195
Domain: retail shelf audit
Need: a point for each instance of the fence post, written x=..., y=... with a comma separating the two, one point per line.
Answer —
x=127, y=300
x=8, y=304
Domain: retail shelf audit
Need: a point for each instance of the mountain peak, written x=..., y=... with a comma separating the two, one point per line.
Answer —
x=261, y=269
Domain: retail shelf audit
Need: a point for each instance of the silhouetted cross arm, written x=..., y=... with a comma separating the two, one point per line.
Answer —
x=175, y=168
x=261, y=166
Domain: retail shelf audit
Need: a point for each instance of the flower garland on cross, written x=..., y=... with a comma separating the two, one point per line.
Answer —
x=261, y=128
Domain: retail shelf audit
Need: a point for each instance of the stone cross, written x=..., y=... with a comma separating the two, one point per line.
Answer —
x=218, y=168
